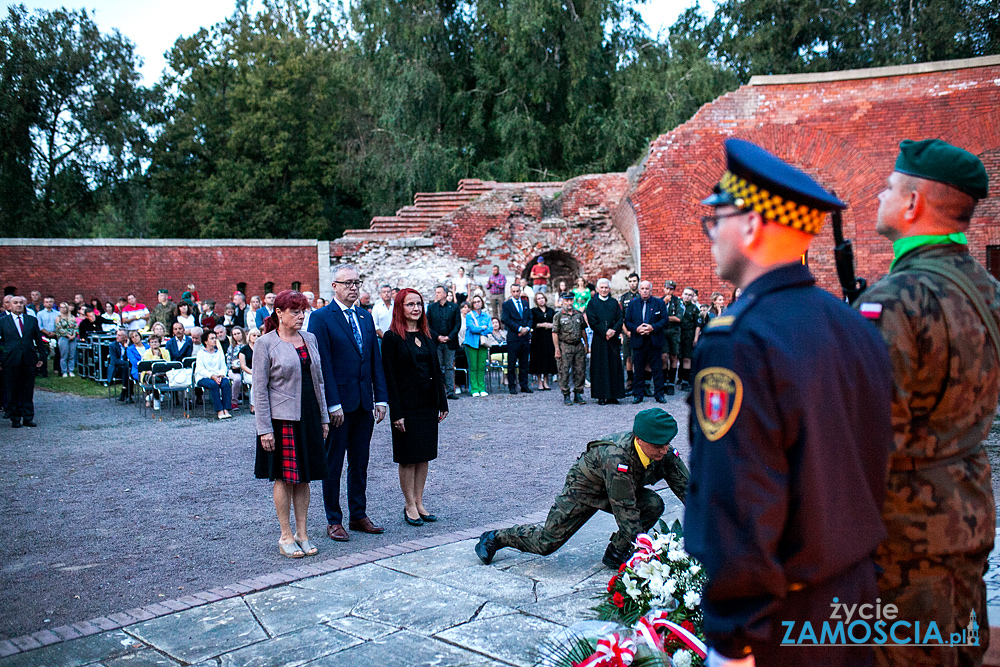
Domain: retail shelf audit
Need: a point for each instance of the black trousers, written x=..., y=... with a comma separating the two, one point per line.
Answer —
x=120, y=371
x=19, y=385
x=352, y=438
x=518, y=348
x=641, y=355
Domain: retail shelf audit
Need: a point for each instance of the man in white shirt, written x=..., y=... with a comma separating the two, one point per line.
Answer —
x=382, y=311
x=312, y=299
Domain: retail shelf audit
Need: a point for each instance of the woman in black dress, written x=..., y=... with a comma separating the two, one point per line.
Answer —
x=417, y=401
x=542, y=357
x=291, y=417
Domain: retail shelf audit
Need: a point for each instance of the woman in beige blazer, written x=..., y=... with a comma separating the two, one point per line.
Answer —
x=292, y=421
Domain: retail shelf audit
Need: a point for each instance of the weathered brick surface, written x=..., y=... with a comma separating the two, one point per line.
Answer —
x=844, y=133
x=108, y=272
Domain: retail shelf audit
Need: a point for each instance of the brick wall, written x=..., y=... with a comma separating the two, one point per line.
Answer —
x=844, y=129
x=109, y=268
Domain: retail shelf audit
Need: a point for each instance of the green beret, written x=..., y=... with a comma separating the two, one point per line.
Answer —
x=937, y=160
x=655, y=426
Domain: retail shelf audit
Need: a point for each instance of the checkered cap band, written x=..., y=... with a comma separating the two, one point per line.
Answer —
x=773, y=207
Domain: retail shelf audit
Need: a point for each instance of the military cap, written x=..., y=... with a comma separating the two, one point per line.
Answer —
x=163, y=290
x=655, y=426
x=757, y=180
x=565, y=295
x=670, y=283
x=938, y=160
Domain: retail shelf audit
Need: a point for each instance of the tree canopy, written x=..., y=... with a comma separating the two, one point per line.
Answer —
x=302, y=118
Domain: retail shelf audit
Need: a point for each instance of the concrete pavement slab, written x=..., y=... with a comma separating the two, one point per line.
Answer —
x=203, y=632
x=406, y=649
x=493, y=584
x=436, y=560
x=360, y=582
x=83, y=651
x=287, y=608
x=513, y=638
x=362, y=627
x=290, y=650
x=143, y=658
x=565, y=609
x=423, y=606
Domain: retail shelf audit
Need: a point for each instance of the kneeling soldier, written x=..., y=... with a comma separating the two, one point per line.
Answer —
x=569, y=333
x=611, y=476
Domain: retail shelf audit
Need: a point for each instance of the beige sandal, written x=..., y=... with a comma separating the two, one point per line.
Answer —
x=290, y=550
x=308, y=548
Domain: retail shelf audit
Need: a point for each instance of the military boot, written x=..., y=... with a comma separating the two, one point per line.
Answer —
x=566, y=400
x=613, y=558
x=578, y=399
x=487, y=546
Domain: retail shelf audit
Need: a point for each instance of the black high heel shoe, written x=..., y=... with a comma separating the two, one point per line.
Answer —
x=413, y=522
x=428, y=518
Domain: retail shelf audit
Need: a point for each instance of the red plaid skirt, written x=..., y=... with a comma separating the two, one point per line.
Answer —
x=289, y=466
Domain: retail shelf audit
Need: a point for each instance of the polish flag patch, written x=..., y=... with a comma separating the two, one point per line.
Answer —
x=622, y=467
x=872, y=311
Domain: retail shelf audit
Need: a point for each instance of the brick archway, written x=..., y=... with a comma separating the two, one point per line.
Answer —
x=563, y=265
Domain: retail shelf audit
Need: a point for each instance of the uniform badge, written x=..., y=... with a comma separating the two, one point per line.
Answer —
x=622, y=467
x=872, y=311
x=718, y=394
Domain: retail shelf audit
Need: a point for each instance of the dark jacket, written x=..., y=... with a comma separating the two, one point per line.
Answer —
x=512, y=322
x=790, y=438
x=179, y=352
x=404, y=382
x=118, y=356
x=444, y=320
x=656, y=315
x=16, y=349
x=351, y=378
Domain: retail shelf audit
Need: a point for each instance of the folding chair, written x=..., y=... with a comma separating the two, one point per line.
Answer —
x=161, y=384
x=142, y=386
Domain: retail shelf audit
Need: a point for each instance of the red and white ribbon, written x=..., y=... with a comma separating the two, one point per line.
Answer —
x=612, y=650
x=648, y=628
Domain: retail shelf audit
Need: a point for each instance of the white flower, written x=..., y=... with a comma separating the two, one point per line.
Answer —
x=631, y=588
x=676, y=555
x=681, y=658
x=692, y=599
x=694, y=569
x=644, y=569
x=669, y=586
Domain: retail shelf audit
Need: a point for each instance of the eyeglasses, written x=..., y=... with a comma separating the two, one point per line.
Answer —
x=349, y=283
x=710, y=223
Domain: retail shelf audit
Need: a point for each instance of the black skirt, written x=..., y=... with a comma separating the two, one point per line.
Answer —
x=419, y=443
x=310, y=448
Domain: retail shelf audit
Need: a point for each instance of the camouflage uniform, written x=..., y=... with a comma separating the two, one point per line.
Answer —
x=939, y=510
x=608, y=476
x=570, y=328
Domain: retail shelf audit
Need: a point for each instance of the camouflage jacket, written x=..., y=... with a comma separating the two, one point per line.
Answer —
x=609, y=472
x=947, y=381
x=569, y=327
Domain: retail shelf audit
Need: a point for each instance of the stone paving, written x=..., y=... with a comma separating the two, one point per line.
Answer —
x=410, y=604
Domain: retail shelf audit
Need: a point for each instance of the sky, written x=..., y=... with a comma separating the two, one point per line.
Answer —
x=153, y=26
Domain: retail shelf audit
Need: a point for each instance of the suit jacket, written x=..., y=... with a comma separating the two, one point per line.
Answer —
x=406, y=384
x=656, y=315
x=513, y=322
x=179, y=352
x=118, y=355
x=16, y=349
x=352, y=378
x=277, y=380
x=262, y=313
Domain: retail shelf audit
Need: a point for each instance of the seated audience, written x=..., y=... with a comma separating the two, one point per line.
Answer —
x=119, y=366
x=208, y=319
x=211, y=374
x=134, y=352
x=229, y=316
x=196, y=336
x=238, y=340
x=187, y=317
x=154, y=353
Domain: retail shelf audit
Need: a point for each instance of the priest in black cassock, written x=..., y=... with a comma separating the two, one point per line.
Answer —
x=606, y=317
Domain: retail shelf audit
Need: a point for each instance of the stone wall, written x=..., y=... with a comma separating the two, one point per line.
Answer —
x=844, y=129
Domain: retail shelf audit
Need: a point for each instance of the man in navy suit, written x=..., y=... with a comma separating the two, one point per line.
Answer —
x=22, y=350
x=118, y=363
x=515, y=315
x=356, y=395
x=179, y=346
x=645, y=318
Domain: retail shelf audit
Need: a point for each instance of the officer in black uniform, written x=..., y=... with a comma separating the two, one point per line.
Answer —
x=790, y=429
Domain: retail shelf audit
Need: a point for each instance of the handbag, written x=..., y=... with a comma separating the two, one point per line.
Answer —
x=178, y=378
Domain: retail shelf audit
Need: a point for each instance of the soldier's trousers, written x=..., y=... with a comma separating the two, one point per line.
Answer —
x=567, y=516
x=944, y=589
x=572, y=367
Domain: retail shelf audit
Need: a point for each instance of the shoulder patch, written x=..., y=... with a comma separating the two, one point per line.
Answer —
x=872, y=311
x=718, y=395
x=720, y=321
x=622, y=467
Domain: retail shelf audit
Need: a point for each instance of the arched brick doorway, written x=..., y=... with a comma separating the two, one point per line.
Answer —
x=562, y=264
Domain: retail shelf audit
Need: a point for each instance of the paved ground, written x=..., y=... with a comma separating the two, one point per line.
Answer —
x=106, y=510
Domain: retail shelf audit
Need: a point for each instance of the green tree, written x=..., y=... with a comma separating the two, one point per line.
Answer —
x=253, y=137
x=71, y=115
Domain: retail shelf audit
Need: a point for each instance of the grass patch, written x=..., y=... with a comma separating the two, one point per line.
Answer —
x=77, y=386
